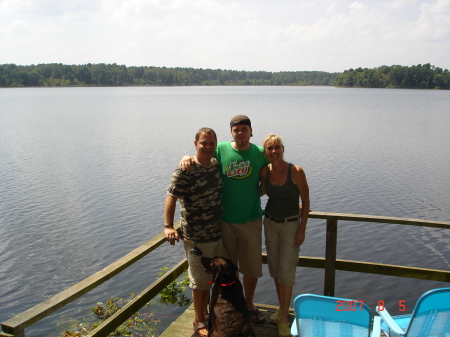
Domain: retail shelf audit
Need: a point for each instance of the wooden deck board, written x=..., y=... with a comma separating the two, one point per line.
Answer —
x=182, y=327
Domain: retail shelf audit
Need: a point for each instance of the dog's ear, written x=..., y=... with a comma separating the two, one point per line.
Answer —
x=230, y=263
x=206, y=262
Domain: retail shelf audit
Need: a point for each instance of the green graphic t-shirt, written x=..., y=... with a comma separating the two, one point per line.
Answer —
x=240, y=175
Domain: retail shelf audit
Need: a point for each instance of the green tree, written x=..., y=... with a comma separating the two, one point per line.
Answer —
x=84, y=75
x=397, y=76
x=35, y=78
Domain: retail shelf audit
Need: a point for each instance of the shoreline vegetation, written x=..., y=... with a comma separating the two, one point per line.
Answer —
x=419, y=76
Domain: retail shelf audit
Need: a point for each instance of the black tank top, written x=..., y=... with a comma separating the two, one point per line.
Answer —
x=283, y=200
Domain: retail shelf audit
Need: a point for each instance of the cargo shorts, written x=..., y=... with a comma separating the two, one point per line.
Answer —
x=242, y=243
x=198, y=278
x=282, y=256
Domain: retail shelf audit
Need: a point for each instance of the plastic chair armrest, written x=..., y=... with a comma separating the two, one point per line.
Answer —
x=389, y=321
x=376, y=327
x=294, y=331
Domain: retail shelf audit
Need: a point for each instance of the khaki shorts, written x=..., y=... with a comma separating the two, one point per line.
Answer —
x=242, y=243
x=282, y=256
x=198, y=277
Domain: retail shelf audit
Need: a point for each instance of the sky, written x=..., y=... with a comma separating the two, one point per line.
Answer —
x=251, y=35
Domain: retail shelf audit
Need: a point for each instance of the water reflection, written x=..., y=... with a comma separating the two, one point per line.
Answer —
x=84, y=173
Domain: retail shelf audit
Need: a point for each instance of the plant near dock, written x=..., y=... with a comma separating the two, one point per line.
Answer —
x=174, y=292
x=138, y=325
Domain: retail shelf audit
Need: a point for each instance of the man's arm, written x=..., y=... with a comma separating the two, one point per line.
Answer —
x=262, y=181
x=169, y=213
x=186, y=163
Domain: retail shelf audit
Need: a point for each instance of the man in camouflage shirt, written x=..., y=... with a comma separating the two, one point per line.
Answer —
x=200, y=193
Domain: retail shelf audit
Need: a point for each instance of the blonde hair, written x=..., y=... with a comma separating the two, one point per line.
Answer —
x=272, y=139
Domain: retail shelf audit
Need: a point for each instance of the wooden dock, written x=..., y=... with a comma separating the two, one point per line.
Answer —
x=182, y=327
x=16, y=325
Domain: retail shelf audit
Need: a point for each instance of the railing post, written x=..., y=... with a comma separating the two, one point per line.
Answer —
x=330, y=257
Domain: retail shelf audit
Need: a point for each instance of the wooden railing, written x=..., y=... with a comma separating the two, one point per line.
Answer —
x=330, y=263
x=16, y=325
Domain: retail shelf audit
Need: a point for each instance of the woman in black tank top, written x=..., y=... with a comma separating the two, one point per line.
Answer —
x=284, y=223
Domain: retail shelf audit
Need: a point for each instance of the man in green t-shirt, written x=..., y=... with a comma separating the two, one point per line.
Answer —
x=240, y=163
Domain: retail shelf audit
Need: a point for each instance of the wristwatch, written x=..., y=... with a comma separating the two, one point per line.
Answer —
x=170, y=225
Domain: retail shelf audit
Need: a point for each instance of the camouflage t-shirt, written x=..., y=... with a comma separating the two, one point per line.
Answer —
x=200, y=194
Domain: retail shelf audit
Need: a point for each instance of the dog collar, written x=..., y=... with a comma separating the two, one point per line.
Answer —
x=229, y=284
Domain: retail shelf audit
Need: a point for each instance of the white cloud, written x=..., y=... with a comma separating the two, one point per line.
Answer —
x=18, y=28
x=330, y=35
x=434, y=22
x=397, y=4
x=11, y=6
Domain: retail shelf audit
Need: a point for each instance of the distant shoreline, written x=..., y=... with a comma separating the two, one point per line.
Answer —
x=112, y=75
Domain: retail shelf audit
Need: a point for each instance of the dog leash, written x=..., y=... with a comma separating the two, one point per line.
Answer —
x=223, y=284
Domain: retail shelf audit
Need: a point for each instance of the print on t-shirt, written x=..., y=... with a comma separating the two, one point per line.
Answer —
x=238, y=169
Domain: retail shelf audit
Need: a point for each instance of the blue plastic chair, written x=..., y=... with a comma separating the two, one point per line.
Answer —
x=324, y=316
x=430, y=317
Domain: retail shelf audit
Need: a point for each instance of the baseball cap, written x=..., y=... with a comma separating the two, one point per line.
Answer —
x=240, y=119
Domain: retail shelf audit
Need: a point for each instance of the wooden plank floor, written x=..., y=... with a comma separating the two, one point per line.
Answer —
x=182, y=327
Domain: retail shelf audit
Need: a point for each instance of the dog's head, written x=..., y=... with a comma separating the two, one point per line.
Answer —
x=222, y=269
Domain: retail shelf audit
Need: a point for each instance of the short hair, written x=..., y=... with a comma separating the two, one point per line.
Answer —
x=205, y=130
x=272, y=139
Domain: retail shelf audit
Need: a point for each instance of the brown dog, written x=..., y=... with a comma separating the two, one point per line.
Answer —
x=228, y=313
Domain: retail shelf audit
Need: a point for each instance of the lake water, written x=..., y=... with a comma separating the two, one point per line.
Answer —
x=84, y=172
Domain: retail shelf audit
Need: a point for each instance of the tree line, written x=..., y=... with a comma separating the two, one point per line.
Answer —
x=58, y=74
x=415, y=77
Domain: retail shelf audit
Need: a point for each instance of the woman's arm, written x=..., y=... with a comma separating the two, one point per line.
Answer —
x=299, y=179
